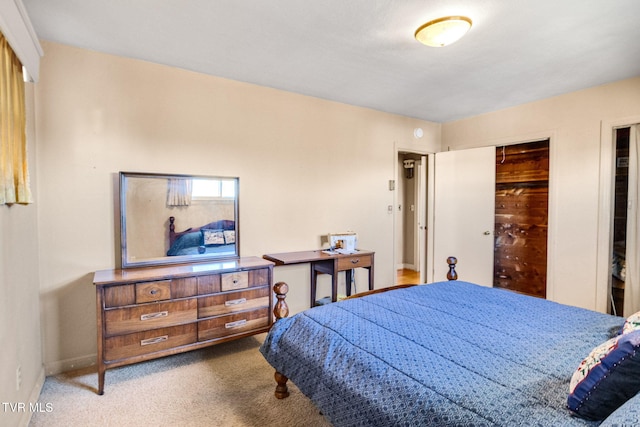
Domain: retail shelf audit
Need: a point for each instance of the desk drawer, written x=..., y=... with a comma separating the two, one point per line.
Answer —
x=216, y=305
x=232, y=324
x=123, y=346
x=355, y=261
x=150, y=316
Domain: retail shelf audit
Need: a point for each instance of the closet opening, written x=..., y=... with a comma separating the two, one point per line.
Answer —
x=521, y=218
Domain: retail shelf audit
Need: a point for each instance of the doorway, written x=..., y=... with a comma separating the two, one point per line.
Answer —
x=625, y=237
x=605, y=290
x=411, y=207
x=521, y=218
x=619, y=226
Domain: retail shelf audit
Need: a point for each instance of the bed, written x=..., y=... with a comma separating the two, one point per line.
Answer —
x=457, y=354
x=218, y=237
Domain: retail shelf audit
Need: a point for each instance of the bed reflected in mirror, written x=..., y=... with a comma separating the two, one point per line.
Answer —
x=168, y=219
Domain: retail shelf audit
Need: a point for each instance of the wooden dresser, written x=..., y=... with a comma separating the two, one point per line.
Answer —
x=145, y=313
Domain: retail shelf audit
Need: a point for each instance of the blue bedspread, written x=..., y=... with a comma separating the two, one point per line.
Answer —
x=445, y=354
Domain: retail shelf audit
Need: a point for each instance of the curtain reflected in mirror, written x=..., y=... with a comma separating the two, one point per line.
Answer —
x=179, y=191
x=168, y=219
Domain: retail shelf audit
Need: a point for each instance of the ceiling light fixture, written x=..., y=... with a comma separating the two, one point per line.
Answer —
x=443, y=31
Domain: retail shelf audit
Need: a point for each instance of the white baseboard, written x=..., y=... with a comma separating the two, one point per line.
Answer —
x=59, y=366
x=33, y=398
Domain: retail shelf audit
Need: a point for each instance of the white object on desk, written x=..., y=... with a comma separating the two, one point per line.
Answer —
x=343, y=243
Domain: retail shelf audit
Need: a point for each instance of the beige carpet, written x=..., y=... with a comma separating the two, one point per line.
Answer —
x=228, y=384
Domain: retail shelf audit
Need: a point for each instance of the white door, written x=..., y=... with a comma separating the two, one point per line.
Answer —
x=464, y=213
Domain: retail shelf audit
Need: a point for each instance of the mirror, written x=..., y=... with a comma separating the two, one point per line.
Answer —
x=169, y=219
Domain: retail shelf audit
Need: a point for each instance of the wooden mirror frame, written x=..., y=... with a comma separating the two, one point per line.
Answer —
x=149, y=227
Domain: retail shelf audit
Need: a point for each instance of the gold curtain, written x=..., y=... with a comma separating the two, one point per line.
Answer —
x=14, y=173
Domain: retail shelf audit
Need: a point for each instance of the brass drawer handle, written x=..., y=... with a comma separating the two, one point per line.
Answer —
x=235, y=302
x=235, y=324
x=155, y=340
x=355, y=261
x=156, y=315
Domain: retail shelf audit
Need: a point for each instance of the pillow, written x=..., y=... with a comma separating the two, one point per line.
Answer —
x=229, y=236
x=212, y=237
x=607, y=378
x=631, y=324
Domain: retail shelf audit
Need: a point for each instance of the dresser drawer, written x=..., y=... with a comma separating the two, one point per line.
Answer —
x=259, y=277
x=208, y=284
x=356, y=261
x=123, y=346
x=153, y=291
x=159, y=290
x=235, y=280
x=230, y=302
x=116, y=296
x=149, y=316
x=184, y=287
x=231, y=324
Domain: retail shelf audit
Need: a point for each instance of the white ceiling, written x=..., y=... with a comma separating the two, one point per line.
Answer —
x=362, y=52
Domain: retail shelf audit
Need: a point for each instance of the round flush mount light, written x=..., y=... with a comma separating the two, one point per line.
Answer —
x=418, y=133
x=443, y=31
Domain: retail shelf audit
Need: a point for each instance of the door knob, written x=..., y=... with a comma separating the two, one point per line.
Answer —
x=487, y=233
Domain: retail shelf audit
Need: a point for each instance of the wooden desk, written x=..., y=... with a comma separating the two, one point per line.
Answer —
x=329, y=264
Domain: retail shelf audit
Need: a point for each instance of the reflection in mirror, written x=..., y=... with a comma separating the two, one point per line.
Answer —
x=167, y=219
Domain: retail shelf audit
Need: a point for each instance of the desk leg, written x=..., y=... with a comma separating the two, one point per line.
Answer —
x=314, y=278
x=371, y=277
x=348, y=279
x=334, y=281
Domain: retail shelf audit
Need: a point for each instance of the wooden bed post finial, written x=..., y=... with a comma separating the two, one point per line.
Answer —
x=452, y=261
x=281, y=309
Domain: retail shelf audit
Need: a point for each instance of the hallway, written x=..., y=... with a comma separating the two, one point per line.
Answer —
x=407, y=277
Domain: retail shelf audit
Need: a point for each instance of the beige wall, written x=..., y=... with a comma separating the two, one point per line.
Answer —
x=573, y=122
x=307, y=167
x=19, y=302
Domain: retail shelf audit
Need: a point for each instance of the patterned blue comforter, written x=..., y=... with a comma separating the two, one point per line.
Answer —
x=445, y=354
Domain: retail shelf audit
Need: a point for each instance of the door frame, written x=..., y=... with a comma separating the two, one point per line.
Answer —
x=605, y=209
x=550, y=134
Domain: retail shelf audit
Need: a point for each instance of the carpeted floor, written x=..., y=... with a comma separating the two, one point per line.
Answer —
x=228, y=384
